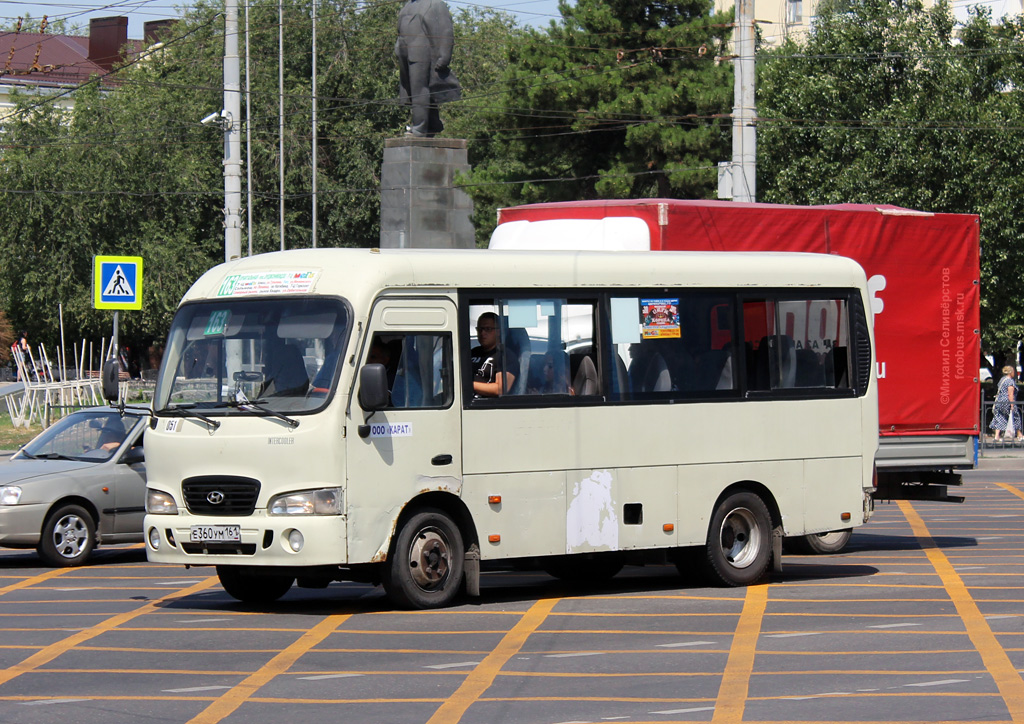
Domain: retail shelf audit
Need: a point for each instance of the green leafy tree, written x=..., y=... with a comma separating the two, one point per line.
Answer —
x=6, y=338
x=27, y=24
x=130, y=170
x=124, y=172
x=622, y=98
x=892, y=103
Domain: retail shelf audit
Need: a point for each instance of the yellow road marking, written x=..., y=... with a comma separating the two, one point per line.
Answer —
x=54, y=650
x=732, y=693
x=994, y=657
x=1011, y=489
x=229, y=701
x=34, y=580
x=452, y=710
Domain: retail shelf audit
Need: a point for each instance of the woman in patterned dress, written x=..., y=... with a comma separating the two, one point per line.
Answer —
x=1005, y=407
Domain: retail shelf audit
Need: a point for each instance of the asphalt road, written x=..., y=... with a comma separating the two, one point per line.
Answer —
x=920, y=619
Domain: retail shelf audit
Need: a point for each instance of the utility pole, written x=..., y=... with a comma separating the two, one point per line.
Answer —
x=314, y=123
x=744, y=111
x=280, y=116
x=248, y=134
x=232, y=119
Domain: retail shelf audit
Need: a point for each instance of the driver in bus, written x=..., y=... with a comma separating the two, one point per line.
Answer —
x=490, y=378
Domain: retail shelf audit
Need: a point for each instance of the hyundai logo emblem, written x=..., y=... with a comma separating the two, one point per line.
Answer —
x=215, y=497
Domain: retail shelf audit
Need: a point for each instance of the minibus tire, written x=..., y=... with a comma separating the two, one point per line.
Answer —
x=249, y=588
x=739, y=543
x=820, y=543
x=427, y=563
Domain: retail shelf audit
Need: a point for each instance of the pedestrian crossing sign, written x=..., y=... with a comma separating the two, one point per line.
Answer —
x=117, y=282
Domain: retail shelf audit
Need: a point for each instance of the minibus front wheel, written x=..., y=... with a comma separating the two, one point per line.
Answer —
x=739, y=543
x=427, y=563
x=253, y=588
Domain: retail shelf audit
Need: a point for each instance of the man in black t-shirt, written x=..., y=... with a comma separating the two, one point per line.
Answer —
x=490, y=378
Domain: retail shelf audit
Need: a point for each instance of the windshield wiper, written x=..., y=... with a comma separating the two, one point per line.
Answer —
x=260, y=405
x=187, y=411
x=50, y=456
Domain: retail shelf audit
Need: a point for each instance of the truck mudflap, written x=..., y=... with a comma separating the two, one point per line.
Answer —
x=918, y=485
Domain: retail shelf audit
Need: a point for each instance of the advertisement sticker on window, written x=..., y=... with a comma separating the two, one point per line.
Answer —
x=660, y=318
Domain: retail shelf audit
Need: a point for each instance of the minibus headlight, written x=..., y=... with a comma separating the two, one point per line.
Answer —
x=10, y=495
x=325, y=501
x=160, y=503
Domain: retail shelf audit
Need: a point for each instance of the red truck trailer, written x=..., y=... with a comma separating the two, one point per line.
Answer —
x=923, y=274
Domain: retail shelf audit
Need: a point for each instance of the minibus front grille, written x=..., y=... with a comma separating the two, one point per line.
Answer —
x=220, y=495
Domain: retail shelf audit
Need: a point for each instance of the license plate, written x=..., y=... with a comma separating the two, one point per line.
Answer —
x=215, y=533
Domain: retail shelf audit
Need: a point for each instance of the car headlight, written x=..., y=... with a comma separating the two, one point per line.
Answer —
x=325, y=501
x=10, y=495
x=160, y=503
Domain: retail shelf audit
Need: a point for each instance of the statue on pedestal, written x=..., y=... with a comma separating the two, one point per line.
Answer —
x=426, y=37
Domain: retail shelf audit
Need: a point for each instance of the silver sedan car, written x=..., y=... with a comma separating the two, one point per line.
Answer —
x=81, y=482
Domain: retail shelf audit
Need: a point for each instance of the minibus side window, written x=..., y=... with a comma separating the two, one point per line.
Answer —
x=419, y=368
x=532, y=346
x=670, y=345
x=797, y=343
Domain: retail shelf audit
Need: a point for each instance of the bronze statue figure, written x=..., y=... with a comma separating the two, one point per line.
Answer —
x=424, y=49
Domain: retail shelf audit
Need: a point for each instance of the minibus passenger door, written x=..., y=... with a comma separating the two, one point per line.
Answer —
x=411, y=446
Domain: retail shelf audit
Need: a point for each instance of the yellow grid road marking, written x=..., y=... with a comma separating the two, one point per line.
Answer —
x=54, y=650
x=732, y=693
x=452, y=710
x=27, y=582
x=227, y=703
x=1002, y=670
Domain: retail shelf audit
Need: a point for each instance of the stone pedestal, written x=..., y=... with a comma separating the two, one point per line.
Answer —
x=419, y=204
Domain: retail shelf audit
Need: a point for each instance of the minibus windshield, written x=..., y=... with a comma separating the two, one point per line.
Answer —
x=253, y=357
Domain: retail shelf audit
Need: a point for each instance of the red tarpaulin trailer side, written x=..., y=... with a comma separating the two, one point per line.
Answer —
x=923, y=274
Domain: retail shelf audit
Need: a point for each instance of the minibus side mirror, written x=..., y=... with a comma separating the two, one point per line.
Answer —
x=110, y=374
x=373, y=387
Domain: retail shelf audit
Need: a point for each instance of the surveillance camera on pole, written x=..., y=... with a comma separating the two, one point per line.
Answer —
x=215, y=116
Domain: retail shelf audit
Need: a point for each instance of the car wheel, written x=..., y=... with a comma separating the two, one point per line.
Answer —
x=739, y=543
x=68, y=536
x=251, y=588
x=426, y=567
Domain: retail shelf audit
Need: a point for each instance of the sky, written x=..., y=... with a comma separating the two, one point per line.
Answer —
x=528, y=12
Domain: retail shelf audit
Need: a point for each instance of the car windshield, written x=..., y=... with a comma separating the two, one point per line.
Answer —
x=279, y=354
x=92, y=436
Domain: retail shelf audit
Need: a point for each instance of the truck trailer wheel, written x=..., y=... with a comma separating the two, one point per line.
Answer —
x=739, y=543
x=820, y=543
x=251, y=588
x=425, y=569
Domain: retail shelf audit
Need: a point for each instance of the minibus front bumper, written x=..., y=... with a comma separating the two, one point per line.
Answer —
x=308, y=540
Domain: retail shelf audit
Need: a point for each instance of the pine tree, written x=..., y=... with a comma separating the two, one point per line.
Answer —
x=622, y=98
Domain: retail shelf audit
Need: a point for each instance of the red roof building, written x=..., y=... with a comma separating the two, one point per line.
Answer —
x=54, y=63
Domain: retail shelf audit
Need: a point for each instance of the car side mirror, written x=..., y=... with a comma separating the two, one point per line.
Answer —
x=373, y=387
x=111, y=374
x=134, y=455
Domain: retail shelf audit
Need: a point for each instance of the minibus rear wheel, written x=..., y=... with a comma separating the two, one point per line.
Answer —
x=739, y=543
x=251, y=588
x=426, y=566
x=820, y=543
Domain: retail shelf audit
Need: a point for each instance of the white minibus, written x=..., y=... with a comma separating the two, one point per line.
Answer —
x=405, y=417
